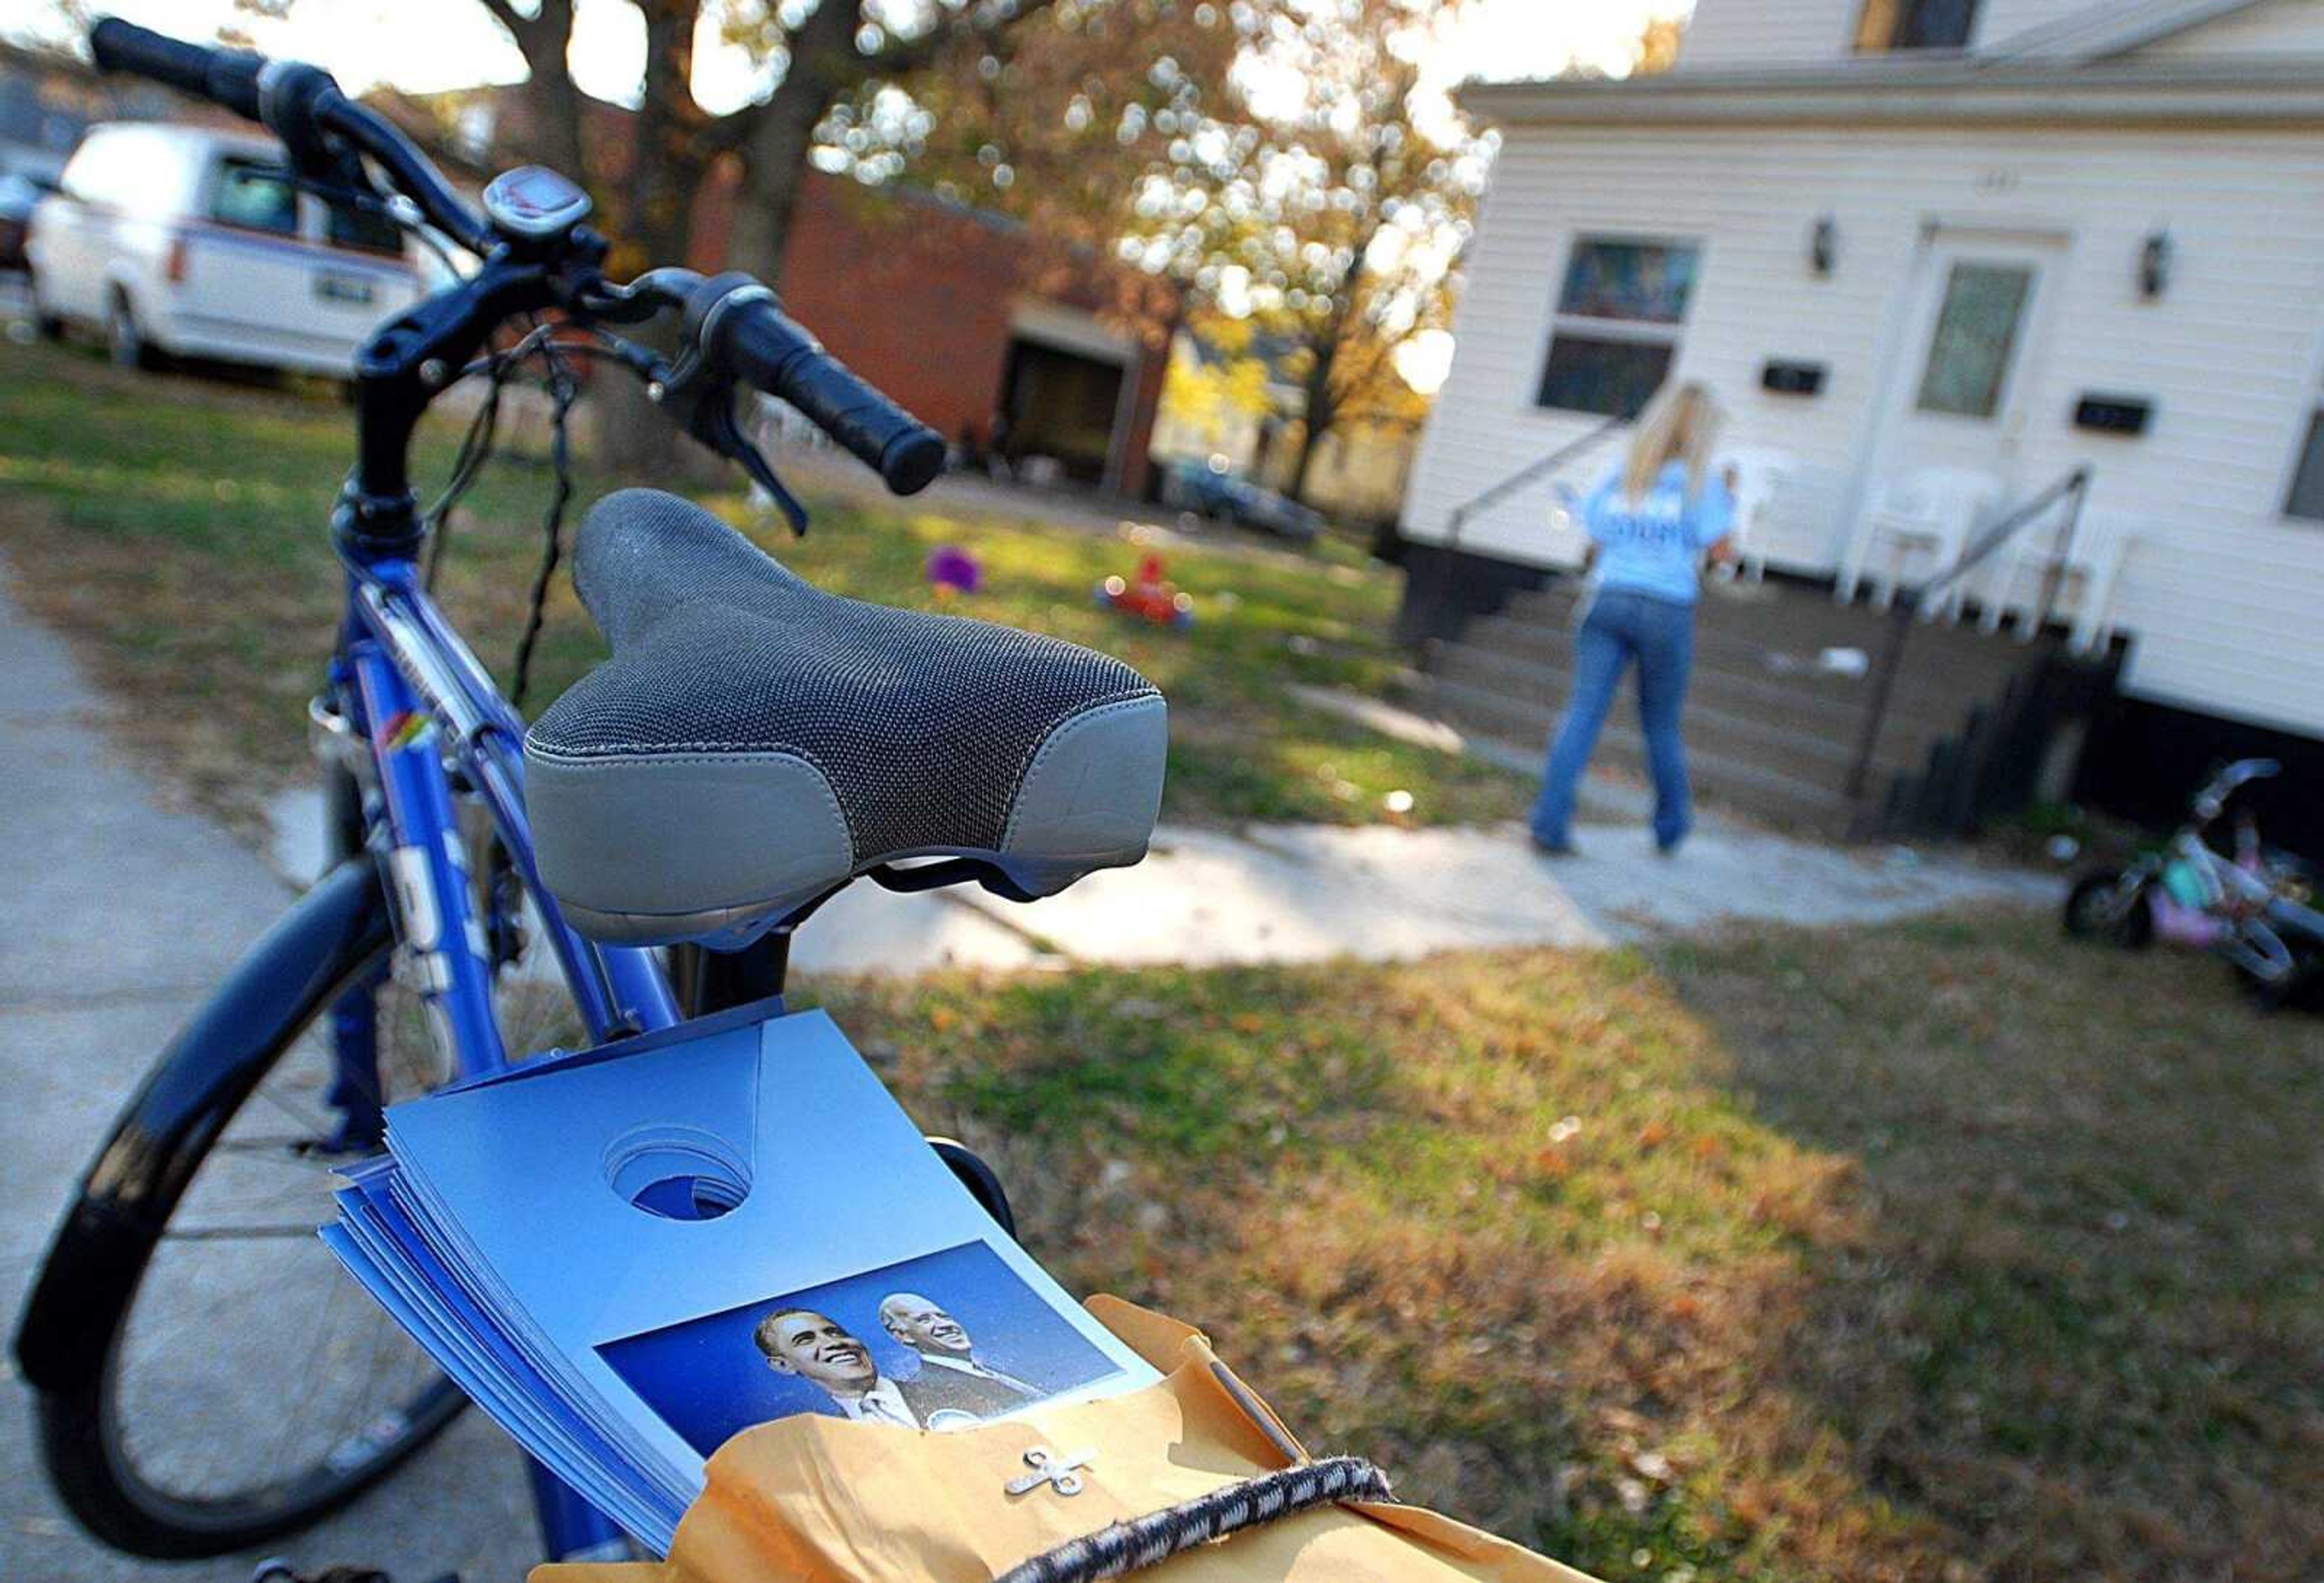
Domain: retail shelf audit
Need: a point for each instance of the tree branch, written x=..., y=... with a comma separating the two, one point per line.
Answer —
x=911, y=54
x=525, y=30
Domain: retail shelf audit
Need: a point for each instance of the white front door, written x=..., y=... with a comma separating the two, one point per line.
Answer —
x=1971, y=350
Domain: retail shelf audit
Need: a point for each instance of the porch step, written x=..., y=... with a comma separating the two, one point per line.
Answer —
x=1746, y=772
x=1803, y=757
x=1768, y=731
x=1716, y=692
x=1947, y=660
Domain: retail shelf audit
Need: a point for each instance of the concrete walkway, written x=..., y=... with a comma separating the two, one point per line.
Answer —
x=1303, y=893
x=117, y=918
x=1308, y=893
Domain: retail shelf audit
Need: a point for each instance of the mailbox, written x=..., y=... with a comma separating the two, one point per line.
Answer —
x=1789, y=378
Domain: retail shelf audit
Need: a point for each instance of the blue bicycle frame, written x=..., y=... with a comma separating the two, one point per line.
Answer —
x=407, y=686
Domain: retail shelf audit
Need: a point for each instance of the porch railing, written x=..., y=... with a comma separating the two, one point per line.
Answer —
x=1525, y=475
x=2073, y=489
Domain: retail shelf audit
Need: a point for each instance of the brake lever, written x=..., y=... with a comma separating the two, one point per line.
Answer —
x=698, y=395
x=725, y=436
x=703, y=403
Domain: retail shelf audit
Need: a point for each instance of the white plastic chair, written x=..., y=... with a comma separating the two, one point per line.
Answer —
x=1927, y=515
x=2087, y=573
x=2102, y=548
x=1761, y=476
x=2011, y=580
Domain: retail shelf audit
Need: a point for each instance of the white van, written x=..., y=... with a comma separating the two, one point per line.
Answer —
x=188, y=240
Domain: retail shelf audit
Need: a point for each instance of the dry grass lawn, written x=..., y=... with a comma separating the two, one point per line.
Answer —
x=175, y=527
x=1948, y=1250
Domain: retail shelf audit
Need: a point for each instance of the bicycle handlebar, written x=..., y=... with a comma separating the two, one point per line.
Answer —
x=732, y=321
x=299, y=103
x=736, y=322
x=223, y=76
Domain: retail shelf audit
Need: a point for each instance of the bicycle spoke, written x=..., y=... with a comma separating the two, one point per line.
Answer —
x=315, y=1125
x=241, y=1291
x=297, y=1150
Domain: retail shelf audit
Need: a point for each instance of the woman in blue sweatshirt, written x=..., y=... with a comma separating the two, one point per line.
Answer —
x=1650, y=525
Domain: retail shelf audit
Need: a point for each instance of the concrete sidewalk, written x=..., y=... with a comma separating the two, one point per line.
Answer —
x=1305, y=893
x=118, y=918
x=1308, y=893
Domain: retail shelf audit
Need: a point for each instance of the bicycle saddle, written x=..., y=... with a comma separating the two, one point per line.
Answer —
x=755, y=742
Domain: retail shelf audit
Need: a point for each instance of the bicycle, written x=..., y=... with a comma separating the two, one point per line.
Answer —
x=753, y=746
x=2250, y=908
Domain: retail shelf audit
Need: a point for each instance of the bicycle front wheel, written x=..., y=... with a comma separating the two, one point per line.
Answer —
x=250, y=1386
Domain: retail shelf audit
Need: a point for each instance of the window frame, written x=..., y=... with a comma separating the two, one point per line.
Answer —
x=1669, y=334
x=2014, y=350
x=1900, y=9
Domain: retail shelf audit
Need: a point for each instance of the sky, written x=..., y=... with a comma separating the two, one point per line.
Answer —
x=427, y=45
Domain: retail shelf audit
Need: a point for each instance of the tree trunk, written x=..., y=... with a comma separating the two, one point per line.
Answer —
x=823, y=63
x=1322, y=399
x=668, y=158
x=666, y=165
x=1322, y=413
x=555, y=137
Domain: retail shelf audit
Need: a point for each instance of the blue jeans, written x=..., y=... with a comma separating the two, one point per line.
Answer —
x=1660, y=635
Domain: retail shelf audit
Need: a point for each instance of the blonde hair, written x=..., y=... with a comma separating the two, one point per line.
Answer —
x=1679, y=425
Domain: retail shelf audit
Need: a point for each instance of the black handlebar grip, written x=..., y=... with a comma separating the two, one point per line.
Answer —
x=740, y=325
x=223, y=76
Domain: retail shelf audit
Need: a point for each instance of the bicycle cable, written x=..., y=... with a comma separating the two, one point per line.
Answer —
x=563, y=390
x=467, y=464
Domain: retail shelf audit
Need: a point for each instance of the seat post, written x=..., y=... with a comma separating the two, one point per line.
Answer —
x=716, y=981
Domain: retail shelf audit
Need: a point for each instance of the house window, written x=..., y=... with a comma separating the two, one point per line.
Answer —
x=1616, y=331
x=2307, y=499
x=1916, y=25
x=1976, y=331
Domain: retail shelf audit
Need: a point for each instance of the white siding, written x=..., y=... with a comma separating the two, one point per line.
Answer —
x=2000, y=20
x=2225, y=593
x=1726, y=34
x=2272, y=27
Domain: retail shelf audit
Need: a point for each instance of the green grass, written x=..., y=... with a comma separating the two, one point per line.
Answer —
x=1949, y=1250
x=175, y=526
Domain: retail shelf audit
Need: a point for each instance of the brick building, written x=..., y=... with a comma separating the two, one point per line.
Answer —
x=987, y=335
x=990, y=334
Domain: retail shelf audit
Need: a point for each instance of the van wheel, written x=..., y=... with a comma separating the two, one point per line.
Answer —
x=51, y=325
x=123, y=339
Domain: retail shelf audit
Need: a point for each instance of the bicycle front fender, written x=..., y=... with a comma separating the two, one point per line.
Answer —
x=281, y=983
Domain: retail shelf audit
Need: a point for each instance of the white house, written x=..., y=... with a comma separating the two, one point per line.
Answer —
x=2004, y=236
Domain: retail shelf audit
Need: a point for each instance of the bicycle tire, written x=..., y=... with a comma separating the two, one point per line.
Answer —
x=85, y=1439
x=2093, y=896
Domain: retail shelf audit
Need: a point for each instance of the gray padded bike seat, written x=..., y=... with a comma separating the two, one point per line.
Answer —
x=754, y=742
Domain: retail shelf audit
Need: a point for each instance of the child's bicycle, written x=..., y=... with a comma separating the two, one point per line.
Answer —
x=206, y=1377
x=2249, y=906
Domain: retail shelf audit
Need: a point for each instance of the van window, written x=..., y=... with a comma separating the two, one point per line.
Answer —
x=253, y=195
x=347, y=227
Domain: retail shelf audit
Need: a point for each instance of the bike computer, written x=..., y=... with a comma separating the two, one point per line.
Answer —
x=532, y=203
